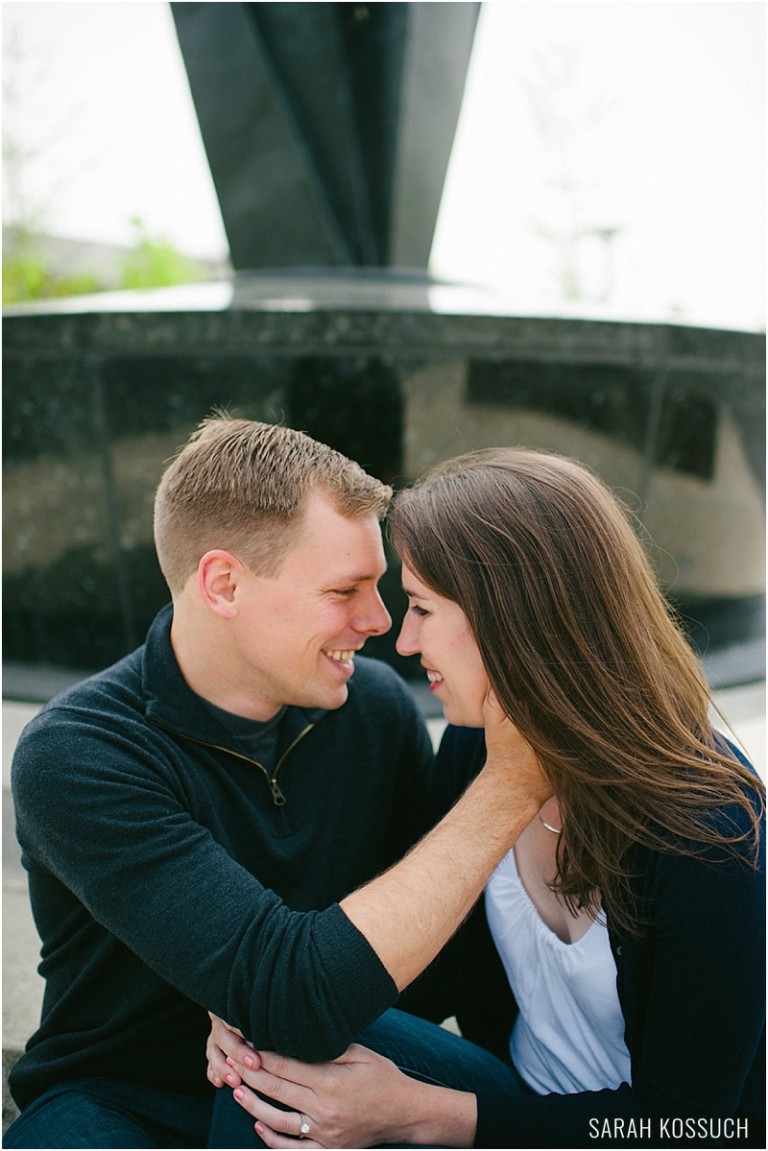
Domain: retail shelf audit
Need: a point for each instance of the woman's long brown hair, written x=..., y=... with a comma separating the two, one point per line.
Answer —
x=586, y=658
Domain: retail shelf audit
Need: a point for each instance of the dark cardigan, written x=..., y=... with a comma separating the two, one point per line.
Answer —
x=691, y=988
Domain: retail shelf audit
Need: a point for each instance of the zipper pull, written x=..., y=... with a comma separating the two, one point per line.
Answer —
x=277, y=796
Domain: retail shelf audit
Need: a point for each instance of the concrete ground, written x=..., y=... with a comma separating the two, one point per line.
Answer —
x=743, y=708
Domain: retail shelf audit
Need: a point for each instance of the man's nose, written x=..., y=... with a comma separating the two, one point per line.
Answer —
x=375, y=620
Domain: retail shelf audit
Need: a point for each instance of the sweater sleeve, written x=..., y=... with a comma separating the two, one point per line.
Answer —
x=694, y=1002
x=97, y=819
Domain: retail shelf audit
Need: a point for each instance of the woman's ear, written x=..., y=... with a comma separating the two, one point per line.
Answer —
x=218, y=575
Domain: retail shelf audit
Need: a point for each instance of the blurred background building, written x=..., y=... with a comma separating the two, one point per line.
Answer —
x=410, y=229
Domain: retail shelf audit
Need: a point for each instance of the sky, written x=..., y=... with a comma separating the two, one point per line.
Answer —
x=610, y=155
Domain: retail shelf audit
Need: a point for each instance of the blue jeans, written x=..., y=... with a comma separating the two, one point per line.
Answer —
x=420, y=1049
x=104, y=1113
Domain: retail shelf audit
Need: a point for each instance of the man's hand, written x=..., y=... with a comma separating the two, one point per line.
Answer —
x=508, y=751
x=410, y=912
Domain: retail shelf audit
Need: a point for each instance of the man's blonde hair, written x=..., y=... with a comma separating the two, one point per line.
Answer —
x=242, y=485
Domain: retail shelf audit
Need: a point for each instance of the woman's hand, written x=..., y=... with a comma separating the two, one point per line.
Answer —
x=224, y=1047
x=359, y=1100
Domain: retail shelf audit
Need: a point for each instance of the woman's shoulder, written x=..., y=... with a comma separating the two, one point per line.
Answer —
x=462, y=749
x=727, y=846
x=736, y=820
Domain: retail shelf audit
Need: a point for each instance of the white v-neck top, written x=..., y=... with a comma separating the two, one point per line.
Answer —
x=569, y=1035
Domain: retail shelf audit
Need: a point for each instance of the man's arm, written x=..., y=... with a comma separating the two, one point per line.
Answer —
x=97, y=811
x=410, y=912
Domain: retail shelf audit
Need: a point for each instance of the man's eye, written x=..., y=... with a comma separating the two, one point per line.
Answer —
x=345, y=591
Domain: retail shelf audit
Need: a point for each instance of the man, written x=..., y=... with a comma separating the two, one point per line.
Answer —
x=190, y=817
x=244, y=756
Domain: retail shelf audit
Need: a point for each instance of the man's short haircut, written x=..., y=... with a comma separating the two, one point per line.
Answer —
x=242, y=485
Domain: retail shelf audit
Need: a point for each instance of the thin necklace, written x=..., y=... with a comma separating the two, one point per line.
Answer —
x=549, y=827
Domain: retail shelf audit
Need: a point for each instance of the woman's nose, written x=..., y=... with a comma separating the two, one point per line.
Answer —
x=407, y=642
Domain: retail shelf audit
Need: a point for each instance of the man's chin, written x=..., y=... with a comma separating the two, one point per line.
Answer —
x=341, y=697
x=330, y=700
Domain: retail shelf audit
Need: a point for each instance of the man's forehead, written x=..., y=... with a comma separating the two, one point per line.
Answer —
x=322, y=516
x=346, y=577
x=336, y=545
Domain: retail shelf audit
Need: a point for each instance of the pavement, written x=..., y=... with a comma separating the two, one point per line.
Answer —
x=743, y=707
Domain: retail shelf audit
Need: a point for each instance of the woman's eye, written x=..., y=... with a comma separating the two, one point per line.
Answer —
x=420, y=611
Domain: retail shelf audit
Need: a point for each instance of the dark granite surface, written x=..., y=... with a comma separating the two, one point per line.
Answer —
x=395, y=371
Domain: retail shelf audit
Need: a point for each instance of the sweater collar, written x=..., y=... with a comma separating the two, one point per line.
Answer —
x=171, y=703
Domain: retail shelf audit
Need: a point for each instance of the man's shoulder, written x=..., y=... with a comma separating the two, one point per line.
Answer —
x=378, y=685
x=112, y=695
x=381, y=700
x=373, y=674
x=463, y=744
x=119, y=681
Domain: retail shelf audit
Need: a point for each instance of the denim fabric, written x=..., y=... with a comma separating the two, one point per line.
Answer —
x=101, y=1113
x=423, y=1050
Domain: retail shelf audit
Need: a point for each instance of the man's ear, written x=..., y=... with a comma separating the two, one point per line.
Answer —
x=218, y=575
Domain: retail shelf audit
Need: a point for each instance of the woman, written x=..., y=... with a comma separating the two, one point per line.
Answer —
x=629, y=916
